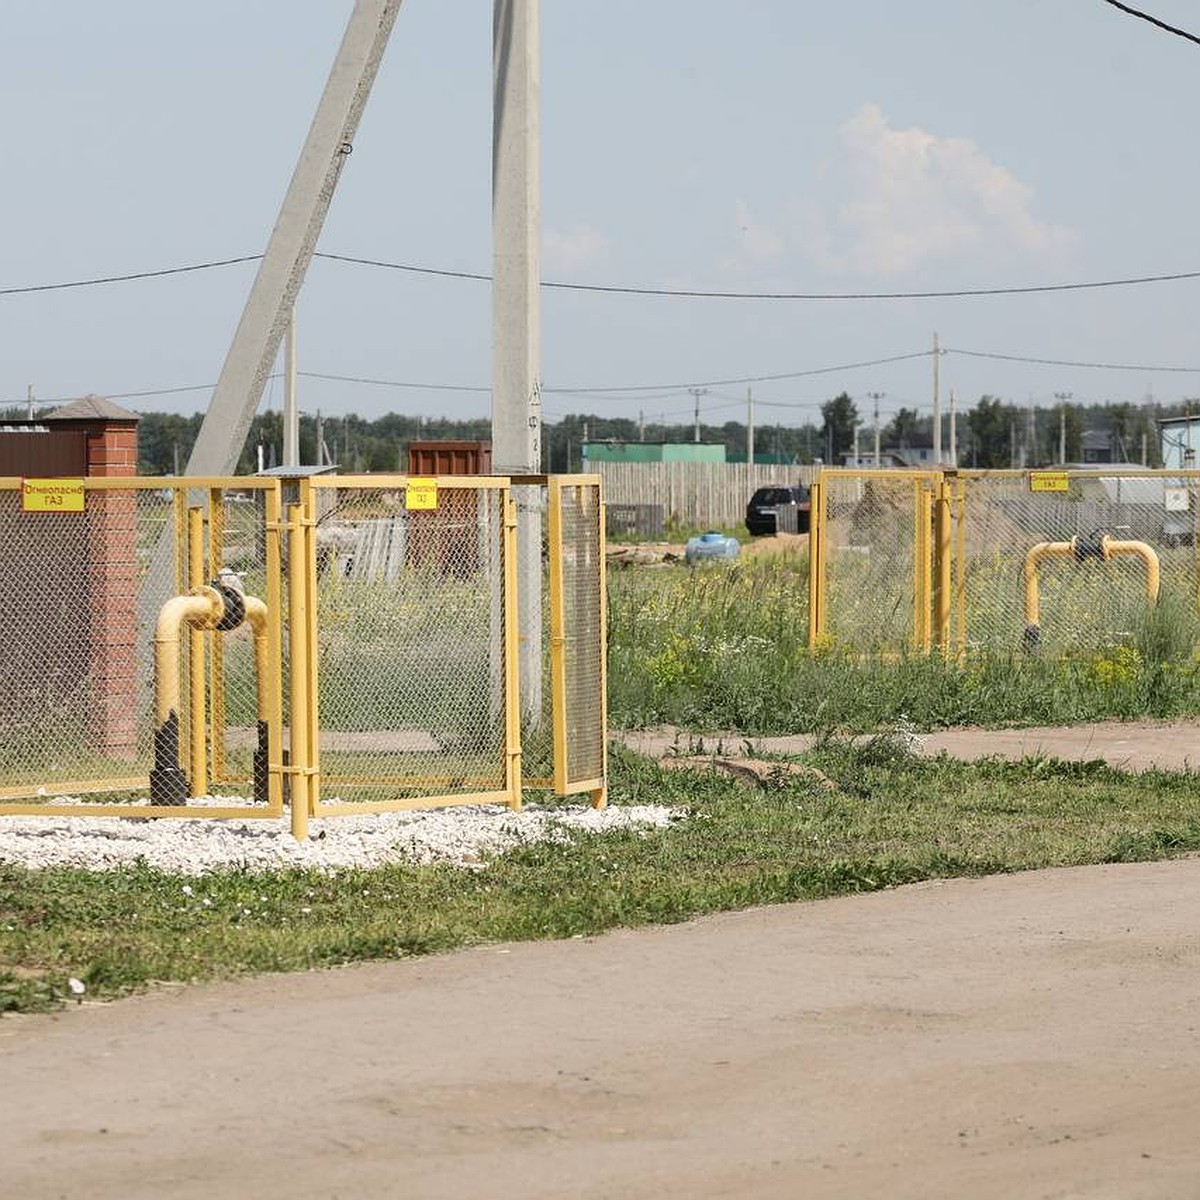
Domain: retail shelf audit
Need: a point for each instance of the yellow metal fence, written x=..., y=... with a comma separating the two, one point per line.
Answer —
x=343, y=644
x=1048, y=561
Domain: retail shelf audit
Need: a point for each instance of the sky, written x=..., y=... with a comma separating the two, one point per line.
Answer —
x=762, y=147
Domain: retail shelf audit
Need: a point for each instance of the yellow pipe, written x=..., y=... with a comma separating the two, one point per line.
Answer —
x=1109, y=549
x=168, y=784
x=1032, y=558
x=200, y=607
x=258, y=618
x=1112, y=547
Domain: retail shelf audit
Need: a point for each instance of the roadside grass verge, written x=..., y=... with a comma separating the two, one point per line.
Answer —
x=890, y=818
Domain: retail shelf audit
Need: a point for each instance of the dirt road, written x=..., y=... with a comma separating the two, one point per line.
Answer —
x=1023, y=1036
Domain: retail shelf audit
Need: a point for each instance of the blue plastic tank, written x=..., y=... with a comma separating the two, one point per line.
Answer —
x=709, y=546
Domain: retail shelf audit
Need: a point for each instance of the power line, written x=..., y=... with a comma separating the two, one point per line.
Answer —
x=666, y=391
x=621, y=289
x=81, y=283
x=394, y=383
x=875, y=362
x=696, y=294
x=1060, y=362
x=1133, y=12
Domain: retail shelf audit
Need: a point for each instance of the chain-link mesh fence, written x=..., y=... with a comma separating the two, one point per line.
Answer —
x=1073, y=562
x=81, y=596
x=875, y=537
x=413, y=650
x=1054, y=562
x=124, y=676
x=577, y=622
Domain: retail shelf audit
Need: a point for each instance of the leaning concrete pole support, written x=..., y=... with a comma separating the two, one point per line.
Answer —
x=293, y=240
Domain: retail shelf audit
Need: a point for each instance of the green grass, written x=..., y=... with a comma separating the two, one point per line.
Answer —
x=893, y=818
x=728, y=649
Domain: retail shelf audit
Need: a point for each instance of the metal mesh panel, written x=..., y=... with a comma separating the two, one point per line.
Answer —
x=410, y=642
x=875, y=548
x=237, y=547
x=80, y=597
x=1086, y=589
x=577, y=591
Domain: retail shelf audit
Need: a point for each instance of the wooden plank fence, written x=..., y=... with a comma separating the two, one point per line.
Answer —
x=708, y=494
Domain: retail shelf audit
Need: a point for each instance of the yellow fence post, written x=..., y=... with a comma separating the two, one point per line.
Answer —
x=298, y=652
x=197, y=723
x=512, y=665
x=942, y=565
x=308, y=508
x=960, y=562
x=816, y=564
x=216, y=645
x=599, y=796
x=273, y=515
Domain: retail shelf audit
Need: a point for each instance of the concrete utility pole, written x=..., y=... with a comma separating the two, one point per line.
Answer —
x=877, y=396
x=516, y=307
x=293, y=240
x=937, y=403
x=1062, y=398
x=696, y=394
x=750, y=431
x=516, y=266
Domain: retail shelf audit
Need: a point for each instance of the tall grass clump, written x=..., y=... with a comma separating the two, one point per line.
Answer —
x=727, y=648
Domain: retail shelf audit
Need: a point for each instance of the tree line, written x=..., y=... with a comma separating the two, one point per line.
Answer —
x=992, y=433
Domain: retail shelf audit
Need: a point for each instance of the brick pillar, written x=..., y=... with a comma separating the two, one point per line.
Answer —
x=112, y=591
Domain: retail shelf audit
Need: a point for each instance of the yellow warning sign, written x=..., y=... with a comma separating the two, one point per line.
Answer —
x=421, y=492
x=1049, y=481
x=52, y=495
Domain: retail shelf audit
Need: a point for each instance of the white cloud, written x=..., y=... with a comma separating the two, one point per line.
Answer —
x=910, y=198
x=582, y=247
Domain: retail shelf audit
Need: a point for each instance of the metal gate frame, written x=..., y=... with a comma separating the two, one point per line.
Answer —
x=190, y=565
x=563, y=640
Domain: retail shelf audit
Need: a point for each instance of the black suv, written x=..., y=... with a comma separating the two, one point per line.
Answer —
x=761, y=511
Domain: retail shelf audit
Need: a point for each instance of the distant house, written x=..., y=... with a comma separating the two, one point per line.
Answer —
x=1098, y=446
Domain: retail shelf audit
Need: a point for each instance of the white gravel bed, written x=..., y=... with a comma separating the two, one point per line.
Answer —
x=461, y=835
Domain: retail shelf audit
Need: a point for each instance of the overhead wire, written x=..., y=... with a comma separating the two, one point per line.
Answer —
x=1064, y=362
x=81, y=283
x=704, y=294
x=1143, y=16
x=621, y=289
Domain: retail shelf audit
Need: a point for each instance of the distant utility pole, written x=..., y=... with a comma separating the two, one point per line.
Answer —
x=1062, y=398
x=696, y=394
x=641, y=425
x=29, y=394
x=291, y=414
x=750, y=428
x=937, y=403
x=877, y=396
x=953, y=430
